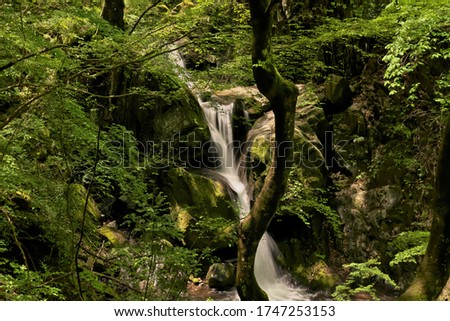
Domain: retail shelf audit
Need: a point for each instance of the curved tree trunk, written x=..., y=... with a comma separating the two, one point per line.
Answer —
x=282, y=96
x=112, y=11
x=434, y=270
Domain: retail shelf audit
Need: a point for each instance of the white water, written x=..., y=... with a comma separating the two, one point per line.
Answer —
x=219, y=119
x=270, y=277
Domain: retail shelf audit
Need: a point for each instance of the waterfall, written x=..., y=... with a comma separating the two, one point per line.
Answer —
x=270, y=277
x=219, y=119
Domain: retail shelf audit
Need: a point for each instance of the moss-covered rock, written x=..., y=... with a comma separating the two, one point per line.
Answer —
x=77, y=197
x=221, y=275
x=371, y=217
x=338, y=94
x=169, y=115
x=116, y=237
x=203, y=209
x=318, y=276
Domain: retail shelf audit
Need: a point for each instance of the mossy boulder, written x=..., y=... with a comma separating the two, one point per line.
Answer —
x=318, y=276
x=308, y=150
x=116, y=237
x=221, y=276
x=250, y=97
x=168, y=116
x=371, y=217
x=203, y=209
x=77, y=197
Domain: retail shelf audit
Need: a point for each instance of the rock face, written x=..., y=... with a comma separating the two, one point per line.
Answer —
x=221, y=276
x=203, y=209
x=386, y=190
x=371, y=218
x=338, y=94
x=169, y=115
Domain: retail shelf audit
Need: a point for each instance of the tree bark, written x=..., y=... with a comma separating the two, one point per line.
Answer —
x=112, y=11
x=434, y=270
x=282, y=96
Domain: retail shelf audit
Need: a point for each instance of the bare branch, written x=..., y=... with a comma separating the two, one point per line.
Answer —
x=142, y=15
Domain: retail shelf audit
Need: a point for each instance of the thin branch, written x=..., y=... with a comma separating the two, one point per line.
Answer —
x=83, y=219
x=102, y=96
x=142, y=15
x=161, y=53
x=12, y=63
x=152, y=32
x=24, y=106
x=147, y=56
x=52, y=280
x=115, y=280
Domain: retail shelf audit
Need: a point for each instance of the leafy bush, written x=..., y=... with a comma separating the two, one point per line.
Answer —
x=408, y=246
x=304, y=201
x=362, y=279
x=420, y=45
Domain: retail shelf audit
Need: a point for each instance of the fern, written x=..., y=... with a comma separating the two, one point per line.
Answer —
x=408, y=246
x=362, y=279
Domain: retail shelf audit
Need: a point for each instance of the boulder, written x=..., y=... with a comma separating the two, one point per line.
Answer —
x=250, y=97
x=77, y=198
x=308, y=150
x=221, y=276
x=116, y=237
x=203, y=209
x=318, y=276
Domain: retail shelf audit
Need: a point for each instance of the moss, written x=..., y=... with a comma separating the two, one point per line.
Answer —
x=260, y=150
x=205, y=196
x=318, y=276
x=203, y=209
x=77, y=194
x=113, y=235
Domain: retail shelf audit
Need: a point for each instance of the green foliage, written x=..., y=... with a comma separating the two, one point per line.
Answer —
x=221, y=42
x=408, y=246
x=362, y=279
x=420, y=41
x=17, y=283
x=304, y=201
x=48, y=153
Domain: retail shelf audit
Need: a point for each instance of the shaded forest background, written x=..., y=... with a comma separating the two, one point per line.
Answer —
x=90, y=210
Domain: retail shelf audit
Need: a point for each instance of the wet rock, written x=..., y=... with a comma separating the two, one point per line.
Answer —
x=318, y=276
x=249, y=97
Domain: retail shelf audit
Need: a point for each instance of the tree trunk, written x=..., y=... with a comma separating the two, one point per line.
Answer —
x=434, y=270
x=112, y=11
x=282, y=96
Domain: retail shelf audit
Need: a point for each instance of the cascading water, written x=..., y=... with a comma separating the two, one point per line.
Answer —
x=219, y=119
x=270, y=277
